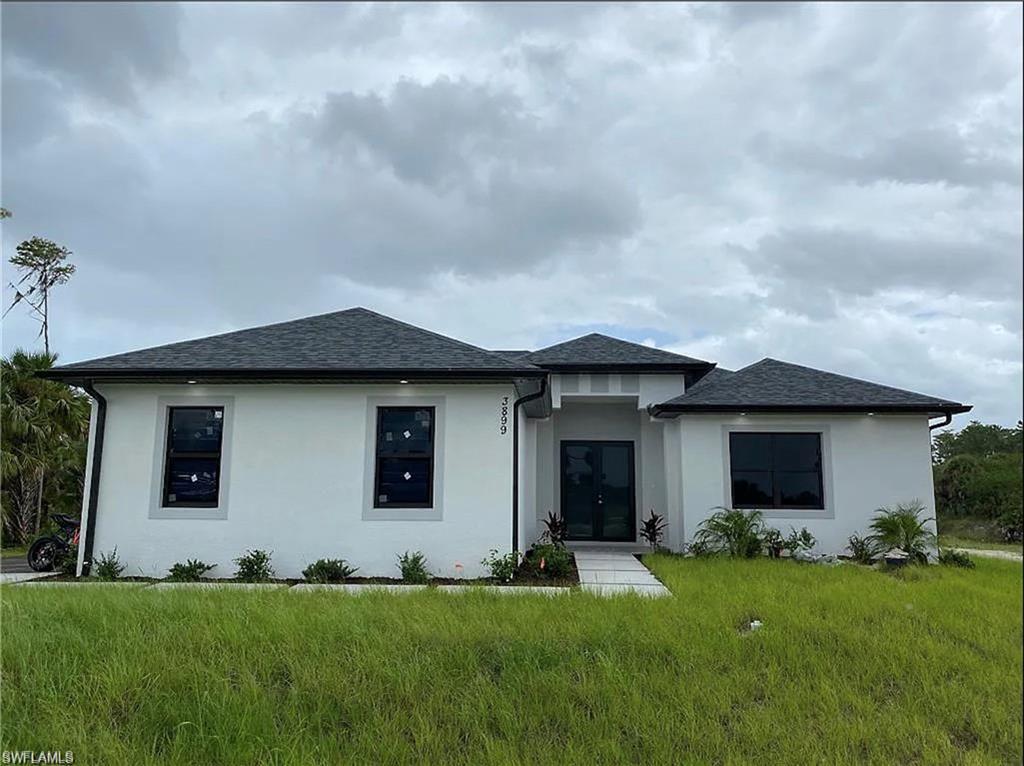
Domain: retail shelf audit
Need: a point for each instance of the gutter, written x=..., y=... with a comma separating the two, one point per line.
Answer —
x=81, y=376
x=94, y=474
x=672, y=410
x=947, y=419
x=515, y=456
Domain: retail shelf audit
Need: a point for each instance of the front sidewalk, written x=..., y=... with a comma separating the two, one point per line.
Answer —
x=610, y=573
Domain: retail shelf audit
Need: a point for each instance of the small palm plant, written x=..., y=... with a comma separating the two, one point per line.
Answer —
x=738, y=533
x=902, y=527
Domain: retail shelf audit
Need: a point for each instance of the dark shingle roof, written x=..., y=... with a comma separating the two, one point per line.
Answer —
x=518, y=354
x=716, y=375
x=355, y=340
x=774, y=385
x=596, y=351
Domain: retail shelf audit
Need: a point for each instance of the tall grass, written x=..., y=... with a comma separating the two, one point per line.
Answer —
x=851, y=666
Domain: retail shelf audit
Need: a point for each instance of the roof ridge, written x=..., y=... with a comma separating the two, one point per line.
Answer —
x=222, y=334
x=435, y=334
x=611, y=339
x=851, y=377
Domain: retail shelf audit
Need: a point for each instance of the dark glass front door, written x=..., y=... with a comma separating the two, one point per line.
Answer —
x=598, y=491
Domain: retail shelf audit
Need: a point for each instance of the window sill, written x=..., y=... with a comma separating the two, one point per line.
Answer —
x=184, y=513
x=403, y=514
x=794, y=513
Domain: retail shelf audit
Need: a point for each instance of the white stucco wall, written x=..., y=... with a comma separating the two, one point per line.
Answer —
x=869, y=462
x=296, y=474
x=641, y=389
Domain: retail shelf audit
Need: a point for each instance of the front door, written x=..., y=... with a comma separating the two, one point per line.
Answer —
x=598, y=497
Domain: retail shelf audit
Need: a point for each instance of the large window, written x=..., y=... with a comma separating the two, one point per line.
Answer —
x=192, y=458
x=776, y=470
x=404, y=472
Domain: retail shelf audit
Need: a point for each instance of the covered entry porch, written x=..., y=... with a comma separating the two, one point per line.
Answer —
x=599, y=462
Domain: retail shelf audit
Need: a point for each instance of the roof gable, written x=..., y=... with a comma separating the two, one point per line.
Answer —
x=356, y=339
x=596, y=351
x=773, y=384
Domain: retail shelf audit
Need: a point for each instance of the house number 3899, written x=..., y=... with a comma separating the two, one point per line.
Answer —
x=503, y=420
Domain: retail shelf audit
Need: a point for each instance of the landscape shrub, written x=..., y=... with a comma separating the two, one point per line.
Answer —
x=328, y=570
x=414, y=567
x=696, y=548
x=773, y=542
x=862, y=549
x=108, y=566
x=67, y=563
x=800, y=541
x=548, y=561
x=734, y=532
x=502, y=566
x=902, y=527
x=652, y=529
x=951, y=557
x=254, y=566
x=556, y=529
x=191, y=571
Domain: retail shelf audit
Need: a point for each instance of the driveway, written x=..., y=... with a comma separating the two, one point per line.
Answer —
x=14, y=564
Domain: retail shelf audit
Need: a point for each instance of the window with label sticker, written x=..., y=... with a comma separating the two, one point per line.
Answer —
x=404, y=471
x=192, y=457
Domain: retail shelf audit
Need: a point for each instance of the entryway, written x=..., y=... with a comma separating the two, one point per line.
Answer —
x=598, y=490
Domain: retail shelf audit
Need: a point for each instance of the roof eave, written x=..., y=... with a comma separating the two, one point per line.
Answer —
x=79, y=376
x=657, y=367
x=938, y=408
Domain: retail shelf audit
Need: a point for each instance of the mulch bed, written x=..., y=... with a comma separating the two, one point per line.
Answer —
x=522, y=579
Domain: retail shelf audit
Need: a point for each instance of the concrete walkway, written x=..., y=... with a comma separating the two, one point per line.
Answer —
x=12, y=577
x=611, y=573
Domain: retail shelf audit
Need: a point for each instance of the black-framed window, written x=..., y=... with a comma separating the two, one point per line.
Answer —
x=404, y=470
x=776, y=470
x=192, y=457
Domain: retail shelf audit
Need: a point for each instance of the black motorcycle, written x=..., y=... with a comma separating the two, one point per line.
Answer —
x=45, y=552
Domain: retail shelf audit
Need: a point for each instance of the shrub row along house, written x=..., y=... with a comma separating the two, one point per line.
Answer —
x=352, y=434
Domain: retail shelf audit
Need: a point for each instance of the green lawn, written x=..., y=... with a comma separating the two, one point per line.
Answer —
x=852, y=665
x=971, y=532
x=952, y=541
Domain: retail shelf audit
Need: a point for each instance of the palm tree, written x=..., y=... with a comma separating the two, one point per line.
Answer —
x=44, y=426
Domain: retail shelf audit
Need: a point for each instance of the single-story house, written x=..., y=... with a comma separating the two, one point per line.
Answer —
x=353, y=435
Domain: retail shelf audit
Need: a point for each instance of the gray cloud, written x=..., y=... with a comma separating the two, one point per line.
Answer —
x=934, y=155
x=814, y=269
x=839, y=185
x=105, y=49
x=430, y=134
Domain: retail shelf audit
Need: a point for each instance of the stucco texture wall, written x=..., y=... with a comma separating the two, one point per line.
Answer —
x=869, y=462
x=295, y=479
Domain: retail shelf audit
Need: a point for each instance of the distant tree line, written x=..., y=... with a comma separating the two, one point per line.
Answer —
x=979, y=473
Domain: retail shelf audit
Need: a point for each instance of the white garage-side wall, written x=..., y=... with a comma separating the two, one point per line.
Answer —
x=297, y=479
x=868, y=462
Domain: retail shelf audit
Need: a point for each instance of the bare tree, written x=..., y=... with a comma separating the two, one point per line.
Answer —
x=43, y=266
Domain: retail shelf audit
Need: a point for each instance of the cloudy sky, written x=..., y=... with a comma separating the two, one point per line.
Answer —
x=833, y=185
